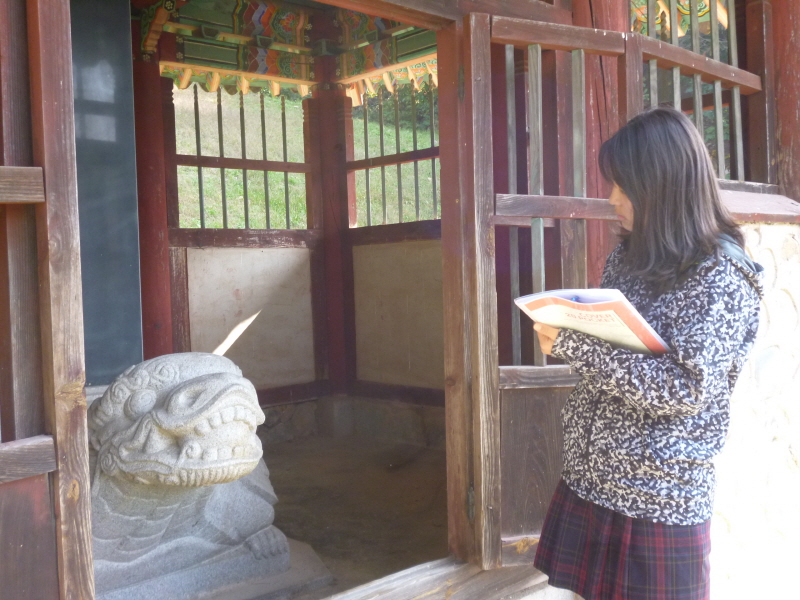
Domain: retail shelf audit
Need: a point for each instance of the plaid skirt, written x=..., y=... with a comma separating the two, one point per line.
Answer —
x=601, y=554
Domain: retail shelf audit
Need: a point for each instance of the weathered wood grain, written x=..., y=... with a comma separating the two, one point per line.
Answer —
x=748, y=207
x=668, y=56
x=21, y=394
x=550, y=36
x=554, y=207
x=395, y=232
x=531, y=465
x=481, y=273
x=244, y=238
x=63, y=372
x=455, y=156
x=179, y=300
x=761, y=120
x=27, y=458
x=786, y=36
x=21, y=185
x=28, y=564
x=553, y=376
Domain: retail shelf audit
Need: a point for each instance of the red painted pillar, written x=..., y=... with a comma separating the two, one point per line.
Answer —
x=786, y=36
x=152, y=110
x=602, y=115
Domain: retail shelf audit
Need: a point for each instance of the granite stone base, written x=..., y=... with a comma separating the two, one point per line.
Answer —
x=234, y=576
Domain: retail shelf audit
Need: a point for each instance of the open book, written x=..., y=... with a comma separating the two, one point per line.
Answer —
x=604, y=313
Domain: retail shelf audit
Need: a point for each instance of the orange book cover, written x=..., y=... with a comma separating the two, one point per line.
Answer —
x=603, y=313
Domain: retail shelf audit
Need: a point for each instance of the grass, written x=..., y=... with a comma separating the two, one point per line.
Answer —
x=276, y=190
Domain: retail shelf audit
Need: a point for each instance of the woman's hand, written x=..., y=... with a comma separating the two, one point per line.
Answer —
x=547, y=335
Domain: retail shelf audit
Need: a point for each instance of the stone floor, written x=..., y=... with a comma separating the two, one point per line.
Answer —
x=369, y=508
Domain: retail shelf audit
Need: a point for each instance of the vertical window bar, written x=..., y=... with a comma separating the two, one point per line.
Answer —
x=414, y=142
x=222, y=155
x=383, y=169
x=244, y=155
x=365, y=104
x=285, y=159
x=513, y=232
x=719, y=128
x=573, y=231
x=535, y=182
x=397, y=150
x=199, y=152
x=264, y=156
x=433, y=143
x=698, y=84
x=537, y=260
x=535, y=140
x=736, y=97
x=653, y=64
x=676, y=71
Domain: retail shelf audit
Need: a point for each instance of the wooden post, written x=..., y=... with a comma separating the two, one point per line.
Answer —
x=786, y=35
x=152, y=95
x=761, y=106
x=63, y=373
x=21, y=397
x=604, y=97
x=328, y=119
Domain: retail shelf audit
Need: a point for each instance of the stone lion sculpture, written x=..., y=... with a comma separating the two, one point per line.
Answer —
x=178, y=479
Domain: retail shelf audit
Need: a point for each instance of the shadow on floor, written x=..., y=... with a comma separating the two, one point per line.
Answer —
x=367, y=507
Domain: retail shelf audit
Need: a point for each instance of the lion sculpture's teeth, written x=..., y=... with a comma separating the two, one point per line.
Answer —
x=207, y=476
x=228, y=415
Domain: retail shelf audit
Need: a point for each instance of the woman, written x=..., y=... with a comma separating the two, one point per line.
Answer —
x=630, y=517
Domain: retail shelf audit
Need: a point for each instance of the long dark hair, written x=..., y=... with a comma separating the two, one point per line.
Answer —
x=660, y=161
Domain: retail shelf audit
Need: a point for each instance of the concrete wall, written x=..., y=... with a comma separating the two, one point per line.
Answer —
x=756, y=525
x=399, y=314
x=259, y=300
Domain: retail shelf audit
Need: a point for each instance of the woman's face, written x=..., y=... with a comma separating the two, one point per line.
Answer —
x=622, y=206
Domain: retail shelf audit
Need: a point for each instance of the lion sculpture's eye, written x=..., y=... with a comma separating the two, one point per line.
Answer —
x=140, y=402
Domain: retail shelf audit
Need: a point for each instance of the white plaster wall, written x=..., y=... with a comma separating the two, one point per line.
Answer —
x=228, y=286
x=399, y=314
x=756, y=525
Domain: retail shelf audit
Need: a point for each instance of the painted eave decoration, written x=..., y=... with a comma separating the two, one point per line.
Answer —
x=239, y=45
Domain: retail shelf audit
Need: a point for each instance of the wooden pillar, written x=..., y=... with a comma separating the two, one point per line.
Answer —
x=602, y=119
x=786, y=36
x=151, y=93
x=63, y=372
x=328, y=120
x=761, y=106
x=21, y=396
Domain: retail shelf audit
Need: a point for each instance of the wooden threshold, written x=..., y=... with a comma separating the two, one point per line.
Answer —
x=450, y=579
x=537, y=377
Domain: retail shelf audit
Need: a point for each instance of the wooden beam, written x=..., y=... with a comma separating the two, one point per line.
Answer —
x=21, y=396
x=786, y=24
x=179, y=300
x=480, y=269
x=745, y=206
x=550, y=36
x=395, y=233
x=394, y=159
x=251, y=164
x=453, y=126
x=690, y=63
x=27, y=458
x=21, y=185
x=154, y=116
x=63, y=372
x=387, y=69
x=244, y=238
x=538, y=377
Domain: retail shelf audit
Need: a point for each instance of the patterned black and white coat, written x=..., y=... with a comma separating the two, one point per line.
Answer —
x=640, y=431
